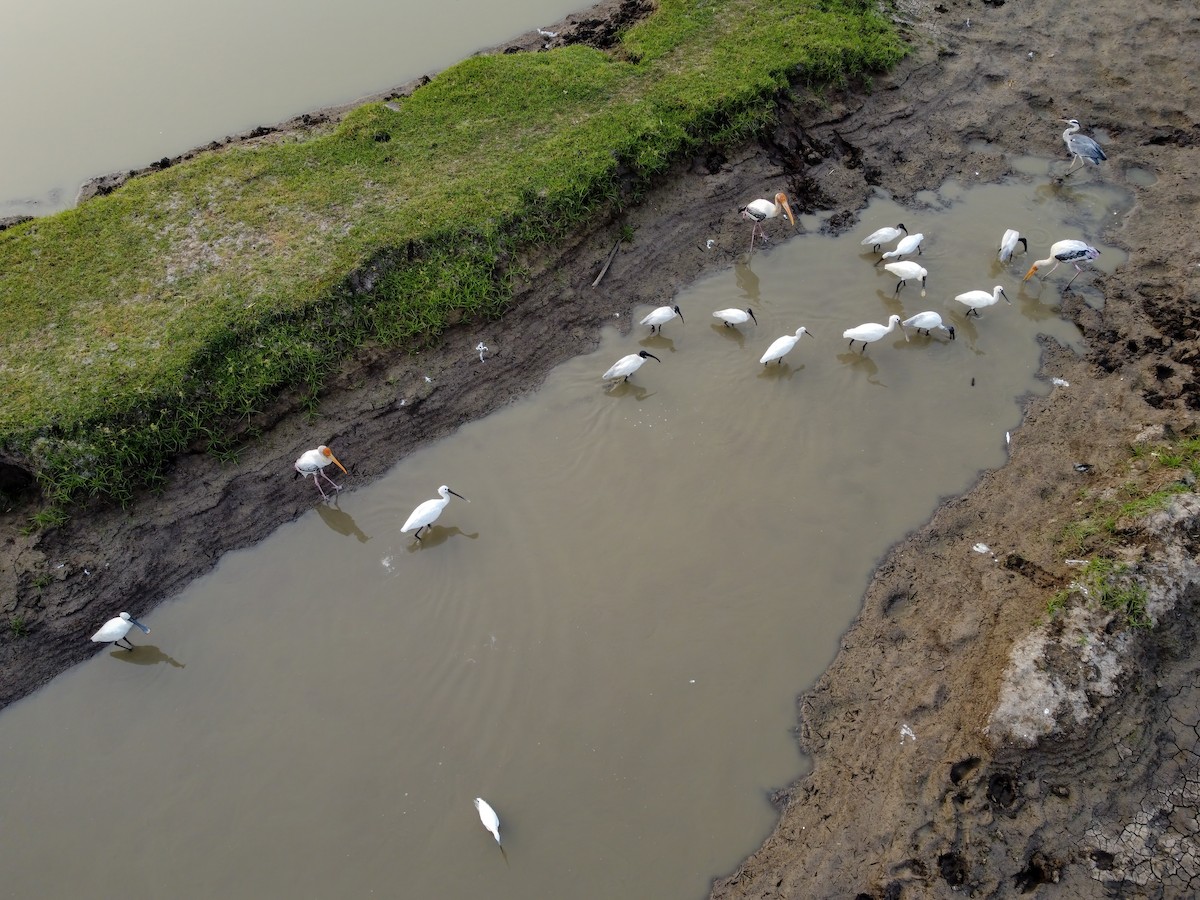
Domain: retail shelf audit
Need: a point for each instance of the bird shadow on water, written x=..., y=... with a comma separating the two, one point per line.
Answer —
x=340, y=521
x=861, y=361
x=730, y=333
x=146, y=655
x=747, y=282
x=892, y=303
x=437, y=535
x=658, y=342
x=629, y=389
x=783, y=371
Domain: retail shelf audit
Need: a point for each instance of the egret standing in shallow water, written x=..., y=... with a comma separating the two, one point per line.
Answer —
x=871, y=332
x=1082, y=148
x=426, y=514
x=311, y=462
x=781, y=347
x=759, y=211
x=976, y=300
x=733, y=317
x=906, y=246
x=488, y=817
x=1068, y=251
x=928, y=321
x=659, y=317
x=627, y=365
x=115, y=630
x=1008, y=244
x=906, y=270
x=877, y=239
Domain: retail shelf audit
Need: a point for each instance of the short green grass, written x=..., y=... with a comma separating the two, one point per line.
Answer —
x=150, y=319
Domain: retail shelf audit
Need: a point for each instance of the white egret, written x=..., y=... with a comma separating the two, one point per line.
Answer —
x=659, y=317
x=870, y=332
x=311, y=462
x=115, y=630
x=760, y=210
x=781, y=347
x=1068, y=251
x=426, y=514
x=733, y=317
x=976, y=300
x=1008, y=244
x=627, y=365
x=907, y=245
x=877, y=239
x=927, y=322
x=488, y=817
x=906, y=270
x=1081, y=147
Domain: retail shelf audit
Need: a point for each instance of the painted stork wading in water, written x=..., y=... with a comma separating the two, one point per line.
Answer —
x=760, y=210
x=1068, y=251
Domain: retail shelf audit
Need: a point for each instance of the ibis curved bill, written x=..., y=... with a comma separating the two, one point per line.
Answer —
x=977, y=300
x=870, y=332
x=1008, y=244
x=426, y=514
x=488, y=817
x=1068, y=251
x=782, y=346
x=312, y=462
x=115, y=630
x=659, y=317
x=906, y=246
x=733, y=317
x=877, y=239
x=1082, y=148
x=627, y=365
x=906, y=270
x=758, y=211
x=927, y=322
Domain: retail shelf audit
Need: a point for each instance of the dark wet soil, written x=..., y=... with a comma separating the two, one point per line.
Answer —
x=1098, y=797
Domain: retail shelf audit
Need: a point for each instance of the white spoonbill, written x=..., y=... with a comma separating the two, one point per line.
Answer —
x=627, y=365
x=906, y=270
x=488, y=817
x=976, y=300
x=871, y=332
x=659, y=317
x=760, y=210
x=1008, y=244
x=907, y=245
x=733, y=317
x=877, y=239
x=426, y=514
x=311, y=462
x=782, y=346
x=1081, y=147
x=115, y=630
x=1068, y=251
x=928, y=321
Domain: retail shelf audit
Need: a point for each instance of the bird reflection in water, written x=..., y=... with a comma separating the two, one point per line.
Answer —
x=147, y=655
x=341, y=522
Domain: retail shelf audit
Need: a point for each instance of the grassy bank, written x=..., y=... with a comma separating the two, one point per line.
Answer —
x=152, y=318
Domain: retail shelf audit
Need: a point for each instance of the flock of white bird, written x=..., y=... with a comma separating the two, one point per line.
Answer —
x=1084, y=150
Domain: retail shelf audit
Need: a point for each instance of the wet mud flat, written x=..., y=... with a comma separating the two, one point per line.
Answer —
x=1105, y=800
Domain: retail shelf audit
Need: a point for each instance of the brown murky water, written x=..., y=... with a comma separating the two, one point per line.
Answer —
x=605, y=643
x=112, y=86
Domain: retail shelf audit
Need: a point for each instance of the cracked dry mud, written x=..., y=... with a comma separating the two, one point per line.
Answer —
x=1102, y=804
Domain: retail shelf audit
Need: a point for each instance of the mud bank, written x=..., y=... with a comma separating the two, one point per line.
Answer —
x=958, y=808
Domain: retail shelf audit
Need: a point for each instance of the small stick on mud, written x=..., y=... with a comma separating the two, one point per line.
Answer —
x=612, y=254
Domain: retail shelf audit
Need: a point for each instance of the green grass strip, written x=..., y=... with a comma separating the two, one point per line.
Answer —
x=150, y=319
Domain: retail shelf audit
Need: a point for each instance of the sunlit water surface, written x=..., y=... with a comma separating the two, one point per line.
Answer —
x=606, y=642
x=93, y=88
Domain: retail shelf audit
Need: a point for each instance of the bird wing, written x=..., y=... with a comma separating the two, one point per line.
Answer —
x=420, y=515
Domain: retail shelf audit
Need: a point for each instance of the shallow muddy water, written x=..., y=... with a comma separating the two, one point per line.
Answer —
x=113, y=86
x=605, y=643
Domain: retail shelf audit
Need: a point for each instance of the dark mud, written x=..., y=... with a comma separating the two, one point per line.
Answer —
x=1102, y=801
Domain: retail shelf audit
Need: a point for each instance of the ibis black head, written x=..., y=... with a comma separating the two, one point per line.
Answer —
x=678, y=313
x=646, y=354
x=750, y=313
x=1024, y=244
x=950, y=328
x=900, y=225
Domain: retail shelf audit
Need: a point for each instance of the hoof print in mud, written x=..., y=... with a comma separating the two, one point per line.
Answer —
x=953, y=869
x=1040, y=869
x=1002, y=790
x=963, y=768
